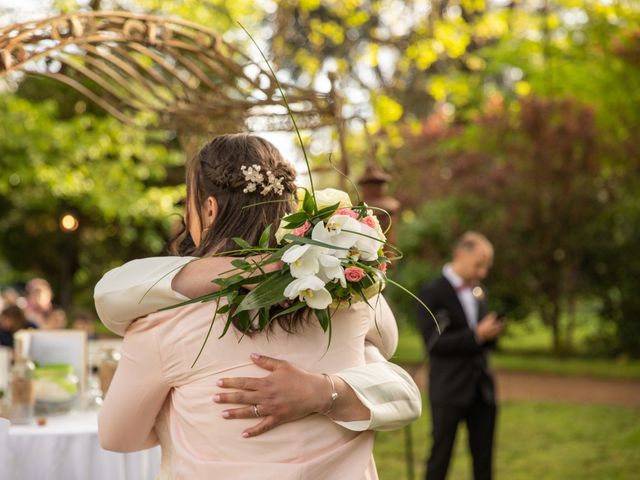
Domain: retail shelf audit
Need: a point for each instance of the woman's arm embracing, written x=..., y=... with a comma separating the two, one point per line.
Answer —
x=136, y=289
x=144, y=286
x=139, y=388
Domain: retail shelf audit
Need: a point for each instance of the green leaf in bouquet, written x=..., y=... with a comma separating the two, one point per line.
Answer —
x=201, y=299
x=310, y=241
x=268, y=292
x=296, y=218
x=244, y=320
x=361, y=209
x=241, y=264
x=242, y=243
x=224, y=309
x=263, y=319
x=265, y=237
x=276, y=256
x=226, y=326
x=292, y=309
x=308, y=204
x=326, y=212
x=206, y=338
x=323, y=318
x=294, y=225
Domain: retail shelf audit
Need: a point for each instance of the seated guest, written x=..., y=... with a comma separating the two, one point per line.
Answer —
x=10, y=296
x=56, y=319
x=84, y=321
x=12, y=319
x=39, y=297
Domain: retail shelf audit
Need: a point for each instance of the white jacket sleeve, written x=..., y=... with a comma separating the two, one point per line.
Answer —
x=384, y=388
x=136, y=289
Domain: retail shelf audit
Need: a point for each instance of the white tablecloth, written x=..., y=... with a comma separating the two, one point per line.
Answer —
x=67, y=448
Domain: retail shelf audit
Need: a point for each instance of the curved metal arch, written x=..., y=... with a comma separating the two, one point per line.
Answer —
x=188, y=75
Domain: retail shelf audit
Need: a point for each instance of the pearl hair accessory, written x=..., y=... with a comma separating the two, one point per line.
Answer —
x=256, y=179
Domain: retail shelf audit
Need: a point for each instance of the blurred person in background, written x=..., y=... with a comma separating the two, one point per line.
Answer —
x=12, y=319
x=10, y=296
x=39, y=300
x=85, y=322
x=56, y=319
x=461, y=385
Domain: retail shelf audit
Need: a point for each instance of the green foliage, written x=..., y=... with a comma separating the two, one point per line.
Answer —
x=113, y=178
x=535, y=178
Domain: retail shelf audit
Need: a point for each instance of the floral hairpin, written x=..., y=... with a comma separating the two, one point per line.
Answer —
x=255, y=179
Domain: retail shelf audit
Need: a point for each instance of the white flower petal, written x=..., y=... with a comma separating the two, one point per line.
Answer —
x=306, y=265
x=319, y=233
x=328, y=260
x=299, y=285
x=318, y=299
x=367, y=245
x=292, y=290
x=294, y=253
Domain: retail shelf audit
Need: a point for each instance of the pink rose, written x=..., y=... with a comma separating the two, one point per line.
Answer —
x=383, y=267
x=369, y=221
x=348, y=212
x=353, y=274
x=301, y=230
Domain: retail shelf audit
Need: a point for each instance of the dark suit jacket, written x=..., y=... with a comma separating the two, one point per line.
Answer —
x=458, y=364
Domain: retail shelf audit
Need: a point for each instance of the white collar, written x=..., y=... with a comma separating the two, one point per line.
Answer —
x=454, y=279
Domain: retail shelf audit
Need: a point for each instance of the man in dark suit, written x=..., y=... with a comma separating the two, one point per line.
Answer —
x=461, y=385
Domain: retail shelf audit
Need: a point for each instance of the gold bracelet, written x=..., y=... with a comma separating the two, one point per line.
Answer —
x=334, y=394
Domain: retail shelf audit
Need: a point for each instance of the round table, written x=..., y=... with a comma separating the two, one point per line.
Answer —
x=67, y=448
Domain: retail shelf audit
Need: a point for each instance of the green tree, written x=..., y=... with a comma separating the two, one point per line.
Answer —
x=113, y=178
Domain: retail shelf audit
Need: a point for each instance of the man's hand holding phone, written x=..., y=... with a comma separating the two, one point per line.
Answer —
x=490, y=327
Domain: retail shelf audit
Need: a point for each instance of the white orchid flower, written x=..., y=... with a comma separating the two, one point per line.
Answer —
x=303, y=260
x=310, y=290
x=340, y=231
x=331, y=269
x=366, y=246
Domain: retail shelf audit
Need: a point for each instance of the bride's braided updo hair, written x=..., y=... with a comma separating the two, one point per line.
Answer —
x=218, y=171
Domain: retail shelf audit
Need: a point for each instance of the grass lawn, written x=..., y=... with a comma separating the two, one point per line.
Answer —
x=536, y=441
x=510, y=357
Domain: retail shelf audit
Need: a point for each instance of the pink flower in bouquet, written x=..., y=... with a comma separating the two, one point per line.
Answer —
x=369, y=222
x=353, y=274
x=383, y=267
x=348, y=212
x=301, y=230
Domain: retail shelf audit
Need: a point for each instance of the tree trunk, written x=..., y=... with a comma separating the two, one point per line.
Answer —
x=550, y=317
x=571, y=323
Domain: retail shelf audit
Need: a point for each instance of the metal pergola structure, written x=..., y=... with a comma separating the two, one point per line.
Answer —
x=186, y=74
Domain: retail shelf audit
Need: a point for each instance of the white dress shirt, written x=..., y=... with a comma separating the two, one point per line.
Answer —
x=465, y=295
x=143, y=286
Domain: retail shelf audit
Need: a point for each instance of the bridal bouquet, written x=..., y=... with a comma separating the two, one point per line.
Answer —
x=332, y=254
